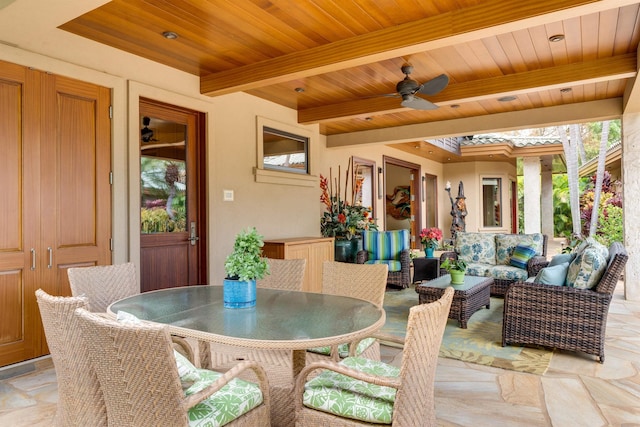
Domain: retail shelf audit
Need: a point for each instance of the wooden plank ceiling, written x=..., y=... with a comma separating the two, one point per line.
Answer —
x=338, y=62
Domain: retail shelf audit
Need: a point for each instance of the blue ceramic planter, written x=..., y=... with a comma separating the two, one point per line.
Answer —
x=239, y=294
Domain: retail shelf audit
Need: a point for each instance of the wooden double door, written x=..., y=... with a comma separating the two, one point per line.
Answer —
x=55, y=140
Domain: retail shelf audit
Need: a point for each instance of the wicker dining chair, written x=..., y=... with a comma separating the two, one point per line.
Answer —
x=80, y=399
x=105, y=284
x=363, y=281
x=284, y=274
x=140, y=379
x=402, y=398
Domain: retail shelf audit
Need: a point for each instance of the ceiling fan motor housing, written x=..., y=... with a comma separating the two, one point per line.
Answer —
x=407, y=86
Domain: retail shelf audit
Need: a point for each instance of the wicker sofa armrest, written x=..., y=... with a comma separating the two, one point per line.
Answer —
x=535, y=264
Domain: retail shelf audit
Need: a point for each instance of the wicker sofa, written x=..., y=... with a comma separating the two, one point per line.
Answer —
x=490, y=255
x=563, y=317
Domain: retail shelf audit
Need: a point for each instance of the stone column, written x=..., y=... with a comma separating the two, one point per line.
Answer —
x=532, y=190
x=631, y=202
x=546, y=203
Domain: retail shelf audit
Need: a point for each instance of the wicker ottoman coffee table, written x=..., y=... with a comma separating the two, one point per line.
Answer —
x=467, y=298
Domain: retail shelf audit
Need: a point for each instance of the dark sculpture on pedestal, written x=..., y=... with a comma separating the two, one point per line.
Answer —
x=458, y=210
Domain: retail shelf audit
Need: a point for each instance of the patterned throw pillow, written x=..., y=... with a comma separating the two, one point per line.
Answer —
x=587, y=268
x=555, y=275
x=521, y=256
x=341, y=395
x=385, y=245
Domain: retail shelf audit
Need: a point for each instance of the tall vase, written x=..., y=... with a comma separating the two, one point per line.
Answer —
x=346, y=250
x=238, y=293
x=429, y=252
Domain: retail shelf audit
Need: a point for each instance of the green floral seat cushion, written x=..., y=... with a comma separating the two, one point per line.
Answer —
x=343, y=349
x=506, y=243
x=476, y=247
x=230, y=402
x=343, y=396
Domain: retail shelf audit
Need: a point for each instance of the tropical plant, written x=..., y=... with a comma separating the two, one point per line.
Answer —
x=245, y=262
x=450, y=265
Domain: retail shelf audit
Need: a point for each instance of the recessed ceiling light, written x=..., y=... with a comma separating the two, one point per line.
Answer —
x=368, y=119
x=430, y=152
x=507, y=98
x=299, y=89
x=455, y=105
x=565, y=90
x=556, y=38
x=170, y=35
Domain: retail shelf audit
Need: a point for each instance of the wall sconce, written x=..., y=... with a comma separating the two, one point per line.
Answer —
x=379, y=183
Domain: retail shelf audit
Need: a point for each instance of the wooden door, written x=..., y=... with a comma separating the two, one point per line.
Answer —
x=56, y=210
x=172, y=206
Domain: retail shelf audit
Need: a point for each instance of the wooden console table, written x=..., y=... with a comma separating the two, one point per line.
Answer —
x=315, y=250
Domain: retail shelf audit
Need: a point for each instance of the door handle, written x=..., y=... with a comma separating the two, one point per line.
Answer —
x=50, y=252
x=193, y=238
x=33, y=259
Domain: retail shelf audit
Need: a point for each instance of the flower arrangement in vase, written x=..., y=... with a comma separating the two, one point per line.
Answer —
x=244, y=266
x=343, y=219
x=430, y=238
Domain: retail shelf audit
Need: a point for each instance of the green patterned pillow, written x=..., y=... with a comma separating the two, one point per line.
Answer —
x=341, y=395
x=343, y=349
x=230, y=402
x=587, y=268
x=476, y=247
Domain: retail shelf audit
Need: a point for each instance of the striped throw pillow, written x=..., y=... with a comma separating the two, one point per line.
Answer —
x=521, y=256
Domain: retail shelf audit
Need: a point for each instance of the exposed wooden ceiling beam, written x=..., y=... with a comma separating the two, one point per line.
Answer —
x=606, y=109
x=485, y=19
x=612, y=68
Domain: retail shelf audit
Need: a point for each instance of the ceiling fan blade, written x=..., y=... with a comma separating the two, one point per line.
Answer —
x=417, y=103
x=435, y=85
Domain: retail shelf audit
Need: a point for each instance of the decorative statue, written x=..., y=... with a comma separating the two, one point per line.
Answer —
x=458, y=209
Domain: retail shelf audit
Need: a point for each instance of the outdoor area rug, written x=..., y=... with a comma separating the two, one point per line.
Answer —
x=480, y=343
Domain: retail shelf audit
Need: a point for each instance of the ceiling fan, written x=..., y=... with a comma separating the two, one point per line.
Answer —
x=408, y=88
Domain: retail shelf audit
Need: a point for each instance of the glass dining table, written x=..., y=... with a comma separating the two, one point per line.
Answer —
x=282, y=320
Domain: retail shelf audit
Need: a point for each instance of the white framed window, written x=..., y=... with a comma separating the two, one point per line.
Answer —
x=491, y=202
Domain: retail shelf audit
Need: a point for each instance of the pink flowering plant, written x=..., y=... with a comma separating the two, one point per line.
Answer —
x=430, y=237
x=341, y=218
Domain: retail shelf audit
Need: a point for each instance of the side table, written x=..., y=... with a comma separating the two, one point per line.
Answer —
x=467, y=298
x=425, y=269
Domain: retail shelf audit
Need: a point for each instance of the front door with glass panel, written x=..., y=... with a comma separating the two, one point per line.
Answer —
x=171, y=214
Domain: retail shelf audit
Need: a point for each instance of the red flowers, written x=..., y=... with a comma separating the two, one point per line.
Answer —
x=430, y=236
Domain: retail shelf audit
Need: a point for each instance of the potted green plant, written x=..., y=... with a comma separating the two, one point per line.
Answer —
x=456, y=268
x=243, y=267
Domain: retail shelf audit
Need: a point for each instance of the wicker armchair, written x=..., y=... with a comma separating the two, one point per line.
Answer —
x=563, y=317
x=391, y=248
x=80, y=400
x=285, y=274
x=414, y=398
x=139, y=377
x=105, y=284
x=367, y=282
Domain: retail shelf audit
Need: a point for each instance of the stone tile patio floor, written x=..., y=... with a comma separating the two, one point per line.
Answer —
x=575, y=391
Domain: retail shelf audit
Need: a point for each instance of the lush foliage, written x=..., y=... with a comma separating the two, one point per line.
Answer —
x=430, y=237
x=245, y=262
x=609, y=212
x=454, y=265
x=342, y=219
